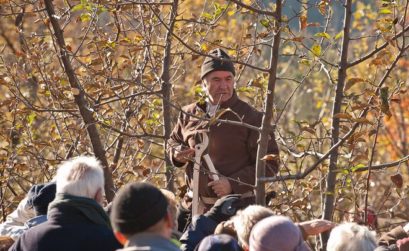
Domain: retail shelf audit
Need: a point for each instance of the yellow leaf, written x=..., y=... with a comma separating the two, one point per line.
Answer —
x=339, y=35
x=204, y=47
x=316, y=50
x=323, y=34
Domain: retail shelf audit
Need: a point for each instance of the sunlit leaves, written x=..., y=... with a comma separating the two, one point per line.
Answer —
x=218, y=10
x=385, y=11
x=265, y=23
x=88, y=9
x=339, y=35
x=31, y=117
x=384, y=24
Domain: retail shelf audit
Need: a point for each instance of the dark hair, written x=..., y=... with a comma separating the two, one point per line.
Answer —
x=136, y=207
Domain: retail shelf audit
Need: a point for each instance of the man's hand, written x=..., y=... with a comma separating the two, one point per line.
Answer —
x=221, y=187
x=316, y=226
x=184, y=155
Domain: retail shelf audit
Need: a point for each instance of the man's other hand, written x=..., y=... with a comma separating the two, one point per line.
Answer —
x=183, y=156
x=315, y=226
x=221, y=187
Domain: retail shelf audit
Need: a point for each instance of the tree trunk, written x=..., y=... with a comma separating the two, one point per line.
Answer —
x=166, y=88
x=268, y=111
x=81, y=102
x=328, y=207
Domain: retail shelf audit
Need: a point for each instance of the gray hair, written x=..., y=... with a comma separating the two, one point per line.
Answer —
x=80, y=176
x=351, y=237
x=245, y=220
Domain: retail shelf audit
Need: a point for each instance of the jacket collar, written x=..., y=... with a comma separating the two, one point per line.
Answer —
x=147, y=239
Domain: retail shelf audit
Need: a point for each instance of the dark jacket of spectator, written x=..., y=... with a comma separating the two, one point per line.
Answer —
x=200, y=227
x=74, y=223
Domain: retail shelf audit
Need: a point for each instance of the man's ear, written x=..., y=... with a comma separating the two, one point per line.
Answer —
x=120, y=237
x=99, y=196
x=169, y=220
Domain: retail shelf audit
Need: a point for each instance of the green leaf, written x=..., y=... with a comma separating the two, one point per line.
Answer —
x=77, y=7
x=207, y=16
x=31, y=117
x=85, y=17
x=385, y=11
x=265, y=22
x=354, y=168
x=316, y=50
x=305, y=62
x=323, y=34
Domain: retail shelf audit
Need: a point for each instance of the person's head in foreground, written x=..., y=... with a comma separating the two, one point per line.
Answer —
x=140, y=208
x=277, y=233
x=245, y=220
x=351, y=237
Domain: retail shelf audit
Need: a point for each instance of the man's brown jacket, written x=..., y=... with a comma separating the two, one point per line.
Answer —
x=232, y=148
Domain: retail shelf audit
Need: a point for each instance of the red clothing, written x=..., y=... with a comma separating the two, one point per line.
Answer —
x=232, y=148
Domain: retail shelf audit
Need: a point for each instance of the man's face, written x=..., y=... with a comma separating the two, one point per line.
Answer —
x=219, y=86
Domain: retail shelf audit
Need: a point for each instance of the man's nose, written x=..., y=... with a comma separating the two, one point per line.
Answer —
x=223, y=84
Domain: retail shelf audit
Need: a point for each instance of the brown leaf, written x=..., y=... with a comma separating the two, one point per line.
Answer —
x=297, y=39
x=322, y=7
x=397, y=180
x=351, y=82
x=396, y=100
x=343, y=116
x=146, y=172
x=75, y=91
x=308, y=129
x=270, y=157
x=313, y=24
x=362, y=120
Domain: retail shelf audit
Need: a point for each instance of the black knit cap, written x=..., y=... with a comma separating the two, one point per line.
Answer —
x=136, y=207
x=212, y=64
x=39, y=196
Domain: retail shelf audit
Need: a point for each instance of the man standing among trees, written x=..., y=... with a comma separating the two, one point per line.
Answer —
x=232, y=148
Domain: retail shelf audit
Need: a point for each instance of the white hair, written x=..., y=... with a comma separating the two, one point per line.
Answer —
x=245, y=220
x=351, y=237
x=80, y=176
